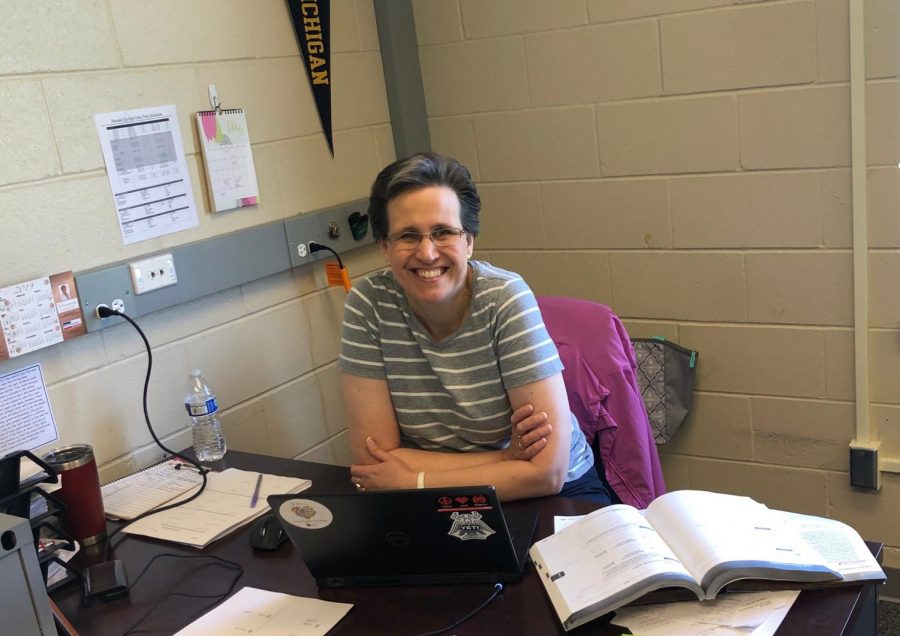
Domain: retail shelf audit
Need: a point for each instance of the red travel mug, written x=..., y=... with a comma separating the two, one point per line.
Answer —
x=85, y=519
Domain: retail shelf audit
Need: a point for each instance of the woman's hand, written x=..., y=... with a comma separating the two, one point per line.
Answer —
x=529, y=434
x=389, y=473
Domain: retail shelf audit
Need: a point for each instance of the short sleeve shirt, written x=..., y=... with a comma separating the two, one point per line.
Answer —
x=451, y=395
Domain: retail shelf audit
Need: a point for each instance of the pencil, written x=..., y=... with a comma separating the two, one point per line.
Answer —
x=255, y=497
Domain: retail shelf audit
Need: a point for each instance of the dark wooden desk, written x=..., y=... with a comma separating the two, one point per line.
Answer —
x=523, y=607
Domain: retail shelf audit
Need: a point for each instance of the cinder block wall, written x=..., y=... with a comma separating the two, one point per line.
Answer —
x=267, y=347
x=687, y=163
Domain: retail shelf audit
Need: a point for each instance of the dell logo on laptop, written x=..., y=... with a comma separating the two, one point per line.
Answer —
x=397, y=538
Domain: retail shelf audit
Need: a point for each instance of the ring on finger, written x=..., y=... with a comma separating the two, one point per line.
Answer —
x=521, y=447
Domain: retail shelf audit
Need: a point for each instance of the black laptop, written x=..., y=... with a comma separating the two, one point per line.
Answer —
x=407, y=537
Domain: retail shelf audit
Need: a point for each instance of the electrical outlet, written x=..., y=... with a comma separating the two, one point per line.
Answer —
x=117, y=305
x=864, y=471
x=152, y=273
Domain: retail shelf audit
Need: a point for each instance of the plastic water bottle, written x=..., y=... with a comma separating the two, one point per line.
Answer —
x=200, y=402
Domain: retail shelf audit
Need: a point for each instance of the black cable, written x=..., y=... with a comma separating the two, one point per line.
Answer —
x=231, y=565
x=318, y=247
x=105, y=312
x=498, y=587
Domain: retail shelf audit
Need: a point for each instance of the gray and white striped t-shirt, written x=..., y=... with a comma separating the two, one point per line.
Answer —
x=452, y=395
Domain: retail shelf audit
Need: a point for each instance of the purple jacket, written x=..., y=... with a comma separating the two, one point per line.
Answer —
x=604, y=395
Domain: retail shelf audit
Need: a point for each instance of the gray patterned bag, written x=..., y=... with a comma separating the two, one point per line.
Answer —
x=665, y=375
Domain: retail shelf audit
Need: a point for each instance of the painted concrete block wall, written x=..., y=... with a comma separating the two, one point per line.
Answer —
x=268, y=347
x=687, y=163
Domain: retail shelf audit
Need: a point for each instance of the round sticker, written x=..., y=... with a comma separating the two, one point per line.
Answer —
x=305, y=513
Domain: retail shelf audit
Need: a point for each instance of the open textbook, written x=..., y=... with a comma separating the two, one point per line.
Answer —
x=699, y=541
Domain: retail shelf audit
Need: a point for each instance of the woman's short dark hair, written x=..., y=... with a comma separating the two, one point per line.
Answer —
x=419, y=171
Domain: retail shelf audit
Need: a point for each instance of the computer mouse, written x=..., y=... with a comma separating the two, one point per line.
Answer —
x=267, y=533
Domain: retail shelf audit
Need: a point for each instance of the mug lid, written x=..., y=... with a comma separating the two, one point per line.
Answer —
x=69, y=457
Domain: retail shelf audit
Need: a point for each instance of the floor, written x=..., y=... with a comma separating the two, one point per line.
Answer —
x=888, y=618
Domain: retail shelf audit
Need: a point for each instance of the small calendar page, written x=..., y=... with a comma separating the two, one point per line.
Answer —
x=28, y=317
x=38, y=313
x=228, y=159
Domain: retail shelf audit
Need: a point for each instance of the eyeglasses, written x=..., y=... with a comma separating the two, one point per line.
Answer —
x=441, y=237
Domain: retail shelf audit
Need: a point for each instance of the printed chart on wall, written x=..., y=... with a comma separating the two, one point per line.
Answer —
x=228, y=159
x=147, y=172
x=38, y=313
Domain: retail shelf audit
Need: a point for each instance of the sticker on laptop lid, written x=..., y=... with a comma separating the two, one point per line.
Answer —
x=463, y=503
x=469, y=525
x=306, y=513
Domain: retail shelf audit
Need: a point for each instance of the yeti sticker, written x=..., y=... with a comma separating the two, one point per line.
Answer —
x=468, y=525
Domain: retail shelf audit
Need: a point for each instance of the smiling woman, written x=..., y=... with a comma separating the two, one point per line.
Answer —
x=428, y=255
x=449, y=375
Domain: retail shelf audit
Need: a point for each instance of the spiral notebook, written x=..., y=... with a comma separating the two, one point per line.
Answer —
x=228, y=159
x=130, y=496
x=225, y=505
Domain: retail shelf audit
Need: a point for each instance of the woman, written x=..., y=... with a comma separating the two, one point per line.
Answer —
x=449, y=376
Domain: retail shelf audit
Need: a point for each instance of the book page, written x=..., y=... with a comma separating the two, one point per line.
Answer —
x=708, y=529
x=607, y=559
x=840, y=545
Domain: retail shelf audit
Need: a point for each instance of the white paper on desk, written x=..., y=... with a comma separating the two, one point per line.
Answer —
x=756, y=613
x=223, y=506
x=264, y=613
x=560, y=522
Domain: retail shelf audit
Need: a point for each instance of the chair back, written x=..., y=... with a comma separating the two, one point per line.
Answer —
x=604, y=396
